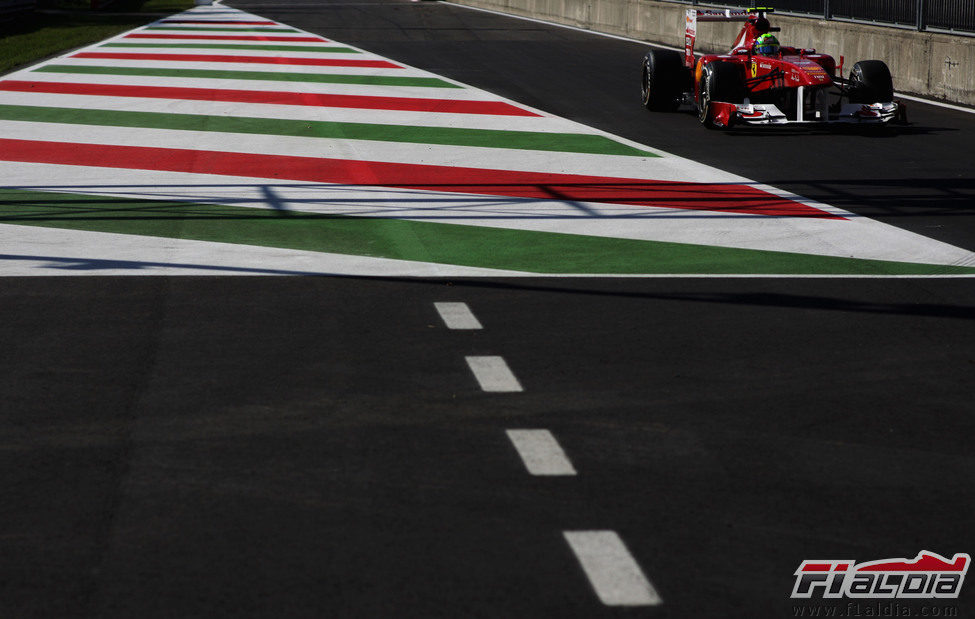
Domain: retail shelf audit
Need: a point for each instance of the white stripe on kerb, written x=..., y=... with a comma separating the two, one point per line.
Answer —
x=540, y=452
x=611, y=569
x=457, y=316
x=493, y=374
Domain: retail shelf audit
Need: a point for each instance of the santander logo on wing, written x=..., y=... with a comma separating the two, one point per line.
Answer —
x=929, y=575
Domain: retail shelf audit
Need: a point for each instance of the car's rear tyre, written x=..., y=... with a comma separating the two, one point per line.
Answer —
x=662, y=81
x=720, y=81
x=870, y=82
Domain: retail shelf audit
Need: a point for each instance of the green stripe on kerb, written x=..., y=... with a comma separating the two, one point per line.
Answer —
x=488, y=138
x=271, y=76
x=326, y=49
x=211, y=29
x=498, y=248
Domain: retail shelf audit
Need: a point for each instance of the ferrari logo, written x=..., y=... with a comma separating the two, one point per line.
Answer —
x=754, y=68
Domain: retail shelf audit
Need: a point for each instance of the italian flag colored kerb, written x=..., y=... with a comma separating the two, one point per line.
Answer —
x=220, y=141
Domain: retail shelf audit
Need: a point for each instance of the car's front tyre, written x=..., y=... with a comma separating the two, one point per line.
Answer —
x=661, y=83
x=722, y=82
x=870, y=82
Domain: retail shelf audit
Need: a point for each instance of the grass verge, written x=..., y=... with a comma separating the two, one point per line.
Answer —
x=36, y=36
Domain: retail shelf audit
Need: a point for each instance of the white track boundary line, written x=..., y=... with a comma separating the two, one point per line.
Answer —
x=737, y=276
x=949, y=106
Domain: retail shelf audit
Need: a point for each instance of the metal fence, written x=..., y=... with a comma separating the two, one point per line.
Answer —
x=947, y=15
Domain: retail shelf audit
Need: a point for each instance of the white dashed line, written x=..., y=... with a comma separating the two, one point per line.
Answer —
x=611, y=569
x=493, y=374
x=540, y=452
x=457, y=316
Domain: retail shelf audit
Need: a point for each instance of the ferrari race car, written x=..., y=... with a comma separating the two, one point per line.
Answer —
x=760, y=82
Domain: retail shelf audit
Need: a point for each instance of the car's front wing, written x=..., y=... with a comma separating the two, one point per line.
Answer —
x=728, y=114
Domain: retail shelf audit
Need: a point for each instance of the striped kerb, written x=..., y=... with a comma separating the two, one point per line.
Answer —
x=501, y=248
x=485, y=138
x=205, y=29
x=270, y=76
x=278, y=60
x=443, y=106
x=316, y=49
x=450, y=179
x=221, y=37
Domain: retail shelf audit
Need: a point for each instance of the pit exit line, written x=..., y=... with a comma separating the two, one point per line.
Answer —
x=611, y=569
x=493, y=374
x=541, y=453
x=458, y=316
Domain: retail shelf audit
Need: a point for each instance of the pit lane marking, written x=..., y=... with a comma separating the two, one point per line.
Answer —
x=493, y=374
x=612, y=571
x=540, y=452
x=457, y=316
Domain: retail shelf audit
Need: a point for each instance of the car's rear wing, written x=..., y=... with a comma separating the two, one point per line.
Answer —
x=696, y=15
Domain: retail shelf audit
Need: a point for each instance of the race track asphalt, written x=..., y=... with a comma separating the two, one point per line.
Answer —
x=318, y=447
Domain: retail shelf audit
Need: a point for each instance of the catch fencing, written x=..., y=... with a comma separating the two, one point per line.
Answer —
x=953, y=16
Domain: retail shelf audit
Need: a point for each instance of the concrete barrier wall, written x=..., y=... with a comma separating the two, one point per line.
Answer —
x=933, y=65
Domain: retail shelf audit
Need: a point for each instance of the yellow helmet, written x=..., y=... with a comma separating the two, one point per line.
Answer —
x=767, y=45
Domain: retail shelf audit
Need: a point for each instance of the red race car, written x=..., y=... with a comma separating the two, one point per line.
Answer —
x=760, y=82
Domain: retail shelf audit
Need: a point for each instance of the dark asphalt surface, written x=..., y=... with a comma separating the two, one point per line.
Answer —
x=316, y=447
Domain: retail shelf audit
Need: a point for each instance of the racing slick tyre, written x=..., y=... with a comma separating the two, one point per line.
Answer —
x=870, y=82
x=662, y=83
x=720, y=81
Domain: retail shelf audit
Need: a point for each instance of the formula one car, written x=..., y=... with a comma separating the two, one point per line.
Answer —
x=760, y=82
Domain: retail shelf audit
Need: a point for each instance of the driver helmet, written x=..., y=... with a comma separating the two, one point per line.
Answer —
x=767, y=45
